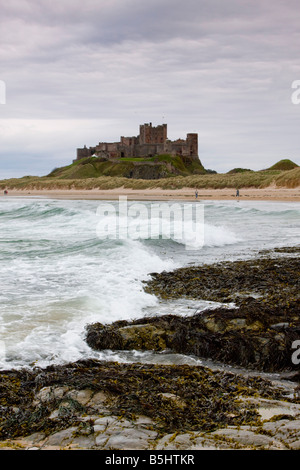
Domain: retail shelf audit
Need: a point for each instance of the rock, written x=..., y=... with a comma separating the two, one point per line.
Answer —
x=127, y=439
x=143, y=337
x=61, y=438
x=180, y=403
x=270, y=410
x=216, y=334
x=103, y=337
x=280, y=326
x=49, y=394
x=288, y=431
x=295, y=445
x=97, y=402
x=237, y=324
x=247, y=438
x=188, y=441
x=122, y=434
x=81, y=396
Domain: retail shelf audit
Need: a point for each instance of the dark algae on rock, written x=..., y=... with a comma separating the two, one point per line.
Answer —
x=272, y=279
x=257, y=332
x=176, y=398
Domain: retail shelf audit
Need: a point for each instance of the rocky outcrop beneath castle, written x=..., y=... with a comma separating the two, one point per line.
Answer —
x=150, y=171
x=161, y=166
x=259, y=332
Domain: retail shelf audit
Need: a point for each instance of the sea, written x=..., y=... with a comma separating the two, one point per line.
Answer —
x=65, y=264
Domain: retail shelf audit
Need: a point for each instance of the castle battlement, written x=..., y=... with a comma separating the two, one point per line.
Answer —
x=151, y=141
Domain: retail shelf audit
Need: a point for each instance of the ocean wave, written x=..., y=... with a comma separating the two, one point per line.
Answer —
x=63, y=266
x=251, y=208
x=35, y=210
x=187, y=232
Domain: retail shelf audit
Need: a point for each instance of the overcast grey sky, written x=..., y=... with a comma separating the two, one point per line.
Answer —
x=82, y=72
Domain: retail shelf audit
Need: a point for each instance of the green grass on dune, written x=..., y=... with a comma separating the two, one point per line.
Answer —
x=284, y=165
x=94, y=173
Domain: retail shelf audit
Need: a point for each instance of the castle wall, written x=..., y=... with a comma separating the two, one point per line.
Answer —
x=129, y=141
x=148, y=150
x=85, y=152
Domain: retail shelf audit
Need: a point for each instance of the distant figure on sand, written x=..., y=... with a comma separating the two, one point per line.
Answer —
x=237, y=193
x=196, y=194
x=5, y=191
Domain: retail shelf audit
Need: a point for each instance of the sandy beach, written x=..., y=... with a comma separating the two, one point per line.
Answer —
x=266, y=194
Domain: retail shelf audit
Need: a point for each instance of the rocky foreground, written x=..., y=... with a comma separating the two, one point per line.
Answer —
x=94, y=405
x=102, y=406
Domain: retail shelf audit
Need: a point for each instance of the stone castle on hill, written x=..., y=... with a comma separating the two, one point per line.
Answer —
x=151, y=141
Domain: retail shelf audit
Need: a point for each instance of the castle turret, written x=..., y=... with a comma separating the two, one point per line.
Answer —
x=152, y=135
x=192, y=144
x=84, y=152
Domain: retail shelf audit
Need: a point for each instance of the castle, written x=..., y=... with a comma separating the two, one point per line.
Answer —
x=150, y=142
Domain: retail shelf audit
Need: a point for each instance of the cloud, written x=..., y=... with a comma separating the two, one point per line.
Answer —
x=84, y=72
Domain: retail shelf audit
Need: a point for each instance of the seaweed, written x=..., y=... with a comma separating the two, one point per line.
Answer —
x=176, y=398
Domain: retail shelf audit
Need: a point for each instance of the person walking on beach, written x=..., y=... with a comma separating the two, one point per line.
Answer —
x=237, y=193
x=196, y=194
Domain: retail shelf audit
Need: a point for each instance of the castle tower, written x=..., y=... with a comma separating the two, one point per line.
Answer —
x=152, y=135
x=192, y=144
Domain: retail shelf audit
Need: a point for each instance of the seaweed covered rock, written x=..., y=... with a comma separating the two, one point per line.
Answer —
x=77, y=396
x=259, y=332
x=272, y=279
x=232, y=336
x=141, y=337
x=104, y=337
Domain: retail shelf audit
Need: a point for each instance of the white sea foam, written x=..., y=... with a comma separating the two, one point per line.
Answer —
x=219, y=236
x=55, y=300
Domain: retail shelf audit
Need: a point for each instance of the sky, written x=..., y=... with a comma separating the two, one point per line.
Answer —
x=75, y=73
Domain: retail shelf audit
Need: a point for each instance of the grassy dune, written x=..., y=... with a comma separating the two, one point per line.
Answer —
x=71, y=177
x=259, y=179
x=289, y=179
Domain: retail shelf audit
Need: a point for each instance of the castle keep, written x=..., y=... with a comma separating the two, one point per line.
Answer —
x=150, y=141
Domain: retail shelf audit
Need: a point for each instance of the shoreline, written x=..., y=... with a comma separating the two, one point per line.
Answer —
x=226, y=405
x=188, y=194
